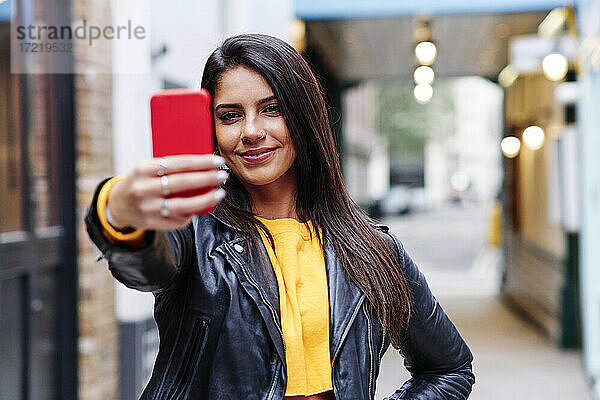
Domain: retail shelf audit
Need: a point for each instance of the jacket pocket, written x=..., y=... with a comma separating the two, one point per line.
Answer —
x=184, y=363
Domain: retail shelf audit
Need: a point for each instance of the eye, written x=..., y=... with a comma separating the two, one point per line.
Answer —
x=228, y=116
x=272, y=109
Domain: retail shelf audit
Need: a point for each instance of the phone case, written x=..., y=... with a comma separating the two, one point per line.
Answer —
x=182, y=123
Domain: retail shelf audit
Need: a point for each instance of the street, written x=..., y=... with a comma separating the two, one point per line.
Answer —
x=513, y=360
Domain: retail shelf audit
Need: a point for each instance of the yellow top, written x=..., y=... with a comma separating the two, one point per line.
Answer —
x=304, y=303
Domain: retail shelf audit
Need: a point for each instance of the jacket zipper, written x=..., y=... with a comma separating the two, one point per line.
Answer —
x=193, y=350
x=171, y=356
x=273, y=384
x=337, y=349
x=370, y=337
x=190, y=361
x=382, y=349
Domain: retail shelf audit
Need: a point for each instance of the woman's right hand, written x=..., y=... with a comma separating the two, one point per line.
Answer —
x=137, y=201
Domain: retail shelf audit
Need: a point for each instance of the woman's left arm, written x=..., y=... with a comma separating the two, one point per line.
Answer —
x=434, y=353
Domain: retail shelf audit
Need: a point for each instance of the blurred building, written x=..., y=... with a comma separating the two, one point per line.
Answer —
x=462, y=161
x=365, y=161
x=550, y=188
x=59, y=337
x=588, y=104
x=539, y=252
x=68, y=330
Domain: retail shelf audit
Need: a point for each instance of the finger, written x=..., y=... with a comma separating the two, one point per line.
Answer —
x=186, y=182
x=180, y=163
x=179, y=207
x=185, y=206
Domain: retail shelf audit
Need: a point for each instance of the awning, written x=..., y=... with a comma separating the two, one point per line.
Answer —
x=335, y=9
x=376, y=39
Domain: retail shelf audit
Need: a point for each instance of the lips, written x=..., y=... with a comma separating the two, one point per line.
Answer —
x=255, y=156
x=256, y=152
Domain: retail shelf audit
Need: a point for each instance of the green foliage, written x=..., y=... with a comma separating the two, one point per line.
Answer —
x=407, y=124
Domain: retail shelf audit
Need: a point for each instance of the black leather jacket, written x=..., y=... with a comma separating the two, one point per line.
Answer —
x=220, y=335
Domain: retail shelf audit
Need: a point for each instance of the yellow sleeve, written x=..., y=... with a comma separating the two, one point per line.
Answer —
x=134, y=237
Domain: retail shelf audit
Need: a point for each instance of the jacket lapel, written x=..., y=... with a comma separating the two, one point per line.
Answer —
x=257, y=288
x=260, y=284
x=345, y=299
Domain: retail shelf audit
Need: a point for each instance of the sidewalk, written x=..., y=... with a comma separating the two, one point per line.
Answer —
x=513, y=361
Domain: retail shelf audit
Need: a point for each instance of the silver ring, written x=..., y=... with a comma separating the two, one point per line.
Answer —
x=164, y=208
x=162, y=167
x=263, y=135
x=164, y=185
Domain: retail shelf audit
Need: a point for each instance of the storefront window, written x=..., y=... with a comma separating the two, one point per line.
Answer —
x=41, y=143
x=34, y=117
x=28, y=182
x=11, y=183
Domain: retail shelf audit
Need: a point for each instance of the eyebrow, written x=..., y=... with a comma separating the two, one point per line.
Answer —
x=238, y=105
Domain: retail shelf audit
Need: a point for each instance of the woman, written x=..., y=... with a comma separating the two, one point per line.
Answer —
x=286, y=290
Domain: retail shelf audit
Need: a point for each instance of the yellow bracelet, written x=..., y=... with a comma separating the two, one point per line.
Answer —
x=112, y=234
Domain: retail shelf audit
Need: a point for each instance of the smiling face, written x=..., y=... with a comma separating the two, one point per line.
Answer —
x=251, y=133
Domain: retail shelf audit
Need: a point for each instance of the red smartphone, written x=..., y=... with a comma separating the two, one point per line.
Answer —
x=182, y=123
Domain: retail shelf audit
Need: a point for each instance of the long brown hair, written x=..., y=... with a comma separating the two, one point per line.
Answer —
x=365, y=255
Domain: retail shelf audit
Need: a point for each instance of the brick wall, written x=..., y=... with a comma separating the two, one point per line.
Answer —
x=98, y=329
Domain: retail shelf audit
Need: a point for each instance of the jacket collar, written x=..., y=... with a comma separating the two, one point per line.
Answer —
x=220, y=216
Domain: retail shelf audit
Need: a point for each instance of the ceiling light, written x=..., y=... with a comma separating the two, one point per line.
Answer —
x=508, y=76
x=423, y=93
x=424, y=74
x=553, y=22
x=510, y=146
x=533, y=137
x=555, y=66
x=425, y=52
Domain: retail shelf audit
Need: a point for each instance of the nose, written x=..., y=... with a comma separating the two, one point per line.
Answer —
x=251, y=131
